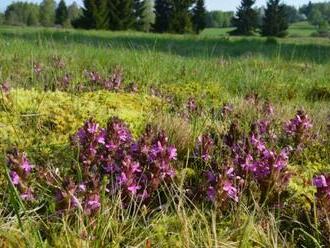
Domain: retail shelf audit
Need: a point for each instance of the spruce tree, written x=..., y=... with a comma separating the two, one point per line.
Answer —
x=148, y=15
x=94, y=15
x=180, y=21
x=87, y=20
x=275, y=21
x=121, y=14
x=199, y=16
x=101, y=14
x=163, y=13
x=61, y=14
x=138, y=6
x=246, y=19
x=74, y=12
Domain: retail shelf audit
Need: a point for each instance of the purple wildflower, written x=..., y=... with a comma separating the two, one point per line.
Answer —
x=172, y=153
x=191, y=105
x=230, y=190
x=322, y=184
x=263, y=126
x=134, y=188
x=14, y=178
x=320, y=181
x=37, y=68
x=211, y=193
x=94, y=77
x=204, y=147
x=65, y=81
x=5, y=88
x=92, y=204
x=298, y=125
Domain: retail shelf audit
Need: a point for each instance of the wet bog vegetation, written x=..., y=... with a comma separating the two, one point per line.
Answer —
x=132, y=140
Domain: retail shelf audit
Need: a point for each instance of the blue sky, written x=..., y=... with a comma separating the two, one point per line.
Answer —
x=211, y=4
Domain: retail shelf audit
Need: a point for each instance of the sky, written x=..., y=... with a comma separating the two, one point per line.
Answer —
x=210, y=4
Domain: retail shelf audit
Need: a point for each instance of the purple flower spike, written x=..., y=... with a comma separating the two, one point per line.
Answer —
x=37, y=68
x=204, y=147
x=211, y=193
x=92, y=204
x=5, y=88
x=191, y=105
x=134, y=188
x=172, y=153
x=298, y=125
x=25, y=164
x=14, y=178
x=320, y=181
x=230, y=190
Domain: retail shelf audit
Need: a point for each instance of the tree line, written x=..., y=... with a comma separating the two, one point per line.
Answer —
x=172, y=16
x=274, y=20
x=47, y=14
x=318, y=14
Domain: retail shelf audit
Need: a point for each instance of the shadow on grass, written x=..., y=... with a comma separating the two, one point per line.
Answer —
x=186, y=46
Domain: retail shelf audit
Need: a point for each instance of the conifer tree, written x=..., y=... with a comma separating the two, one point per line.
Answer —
x=74, y=12
x=180, y=21
x=95, y=15
x=87, y=20
x=101, y=14
x=138, y=6
x=148, y=15
x=121, y=14
x=246, y=19
x=61, y=14
x=163, y=13
x=275, y=21
x=199, y=16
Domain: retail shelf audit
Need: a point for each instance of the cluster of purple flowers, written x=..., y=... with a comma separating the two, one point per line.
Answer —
x=20, y=170
x=252, y=158
x=255, y=158
x=223, y=185
x=108, y=157
x=134, y=168
x=322, y=184
x=298, y=128
x=191, y=105
x=113, y=83
x=85, y=196
x=204, y=147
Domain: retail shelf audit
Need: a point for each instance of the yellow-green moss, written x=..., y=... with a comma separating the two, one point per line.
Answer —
x=34, y=118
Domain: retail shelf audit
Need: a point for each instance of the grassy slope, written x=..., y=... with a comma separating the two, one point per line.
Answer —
x=214, y=70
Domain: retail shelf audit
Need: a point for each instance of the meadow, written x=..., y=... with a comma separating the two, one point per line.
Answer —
x=219, y=142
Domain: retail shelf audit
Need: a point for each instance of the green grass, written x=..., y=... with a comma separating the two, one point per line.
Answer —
x=215, y=32
x=292, y=73
x=301, y=29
